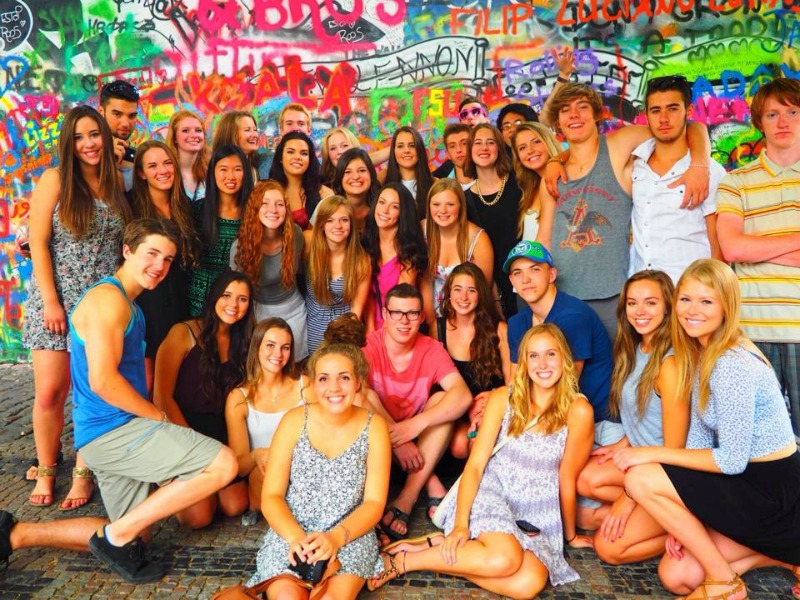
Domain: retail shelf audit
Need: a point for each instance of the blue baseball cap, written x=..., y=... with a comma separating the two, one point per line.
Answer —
x=531, y=250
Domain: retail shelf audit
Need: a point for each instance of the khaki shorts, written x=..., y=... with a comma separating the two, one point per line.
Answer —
x=142, y=452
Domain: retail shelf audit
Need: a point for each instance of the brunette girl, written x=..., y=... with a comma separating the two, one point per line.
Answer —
x=408, y=164
x=238, y=128
x=186, y=136
x=335, y=143
x=356, y=180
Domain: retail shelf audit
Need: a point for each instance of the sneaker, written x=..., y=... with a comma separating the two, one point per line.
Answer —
x=128, y=561
x=7, y=522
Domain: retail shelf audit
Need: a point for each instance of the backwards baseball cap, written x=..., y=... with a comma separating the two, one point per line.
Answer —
x=531, y=250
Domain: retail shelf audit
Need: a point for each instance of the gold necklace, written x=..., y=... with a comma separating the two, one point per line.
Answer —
x=499, y=192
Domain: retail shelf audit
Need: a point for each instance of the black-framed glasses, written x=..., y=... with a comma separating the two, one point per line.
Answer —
x=474, y=112
x=411, y=315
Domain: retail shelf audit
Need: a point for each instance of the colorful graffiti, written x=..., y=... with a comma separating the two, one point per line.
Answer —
x=371, y=65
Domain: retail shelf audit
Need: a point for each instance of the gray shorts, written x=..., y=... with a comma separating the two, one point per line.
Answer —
x=605, y=433
x=141, y=452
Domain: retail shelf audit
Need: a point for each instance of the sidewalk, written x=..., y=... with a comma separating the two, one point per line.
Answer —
x=200, y=563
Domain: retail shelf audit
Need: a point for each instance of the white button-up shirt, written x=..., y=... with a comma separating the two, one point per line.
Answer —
x=665, y=236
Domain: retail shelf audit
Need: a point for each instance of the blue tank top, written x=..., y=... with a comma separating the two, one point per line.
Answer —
x=92, y=415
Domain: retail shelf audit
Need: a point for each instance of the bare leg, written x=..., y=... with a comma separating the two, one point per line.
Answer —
x=643, y=539
x=255, y=481
x=200, y=514
x=526, y=583
x=343, y=587
x=82, y=488
x=69, y=534
x=286, y=590
x=460, y=444
x=233, y=499
x=603, y=482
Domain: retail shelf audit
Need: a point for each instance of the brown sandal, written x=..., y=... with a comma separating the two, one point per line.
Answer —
x=388, y=574
x=46, y=471
x=736, y=584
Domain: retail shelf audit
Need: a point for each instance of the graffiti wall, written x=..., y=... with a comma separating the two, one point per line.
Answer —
x=371, y=65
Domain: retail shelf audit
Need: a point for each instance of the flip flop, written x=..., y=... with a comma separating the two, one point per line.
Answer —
x=431, y=505
x=397, y=515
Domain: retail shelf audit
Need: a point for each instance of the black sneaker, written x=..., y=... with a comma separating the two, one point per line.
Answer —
x=128, y=561
x=7, y=522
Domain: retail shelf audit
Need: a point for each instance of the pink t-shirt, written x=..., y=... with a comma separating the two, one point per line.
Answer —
x=404, y=394
x=387, y=278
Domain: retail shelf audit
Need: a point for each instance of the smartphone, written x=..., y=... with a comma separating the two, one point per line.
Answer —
x=528, y=529
x=312, y=573
x=130, y=154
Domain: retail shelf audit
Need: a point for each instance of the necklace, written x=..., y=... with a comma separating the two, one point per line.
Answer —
x=499, y=192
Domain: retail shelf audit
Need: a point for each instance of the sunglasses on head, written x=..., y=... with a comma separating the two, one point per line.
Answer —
x=474, y=112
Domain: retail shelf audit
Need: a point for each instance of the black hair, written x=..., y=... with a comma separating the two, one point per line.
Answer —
x=670, y=83
x=208, y=212
x=346, y=158
x=422, y=171
x=528, y=114
x=311, y=180
x=119, y=89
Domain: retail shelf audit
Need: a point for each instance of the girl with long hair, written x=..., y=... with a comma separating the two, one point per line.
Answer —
x=475, y=337
x=253, y=410
x=644, y=397
x=729, y=501
x=335, y=143
x=199, y=363
x=452, y=240
x=218, y=217
x=356, y=180
x=532, y=145
x=158, y=194
x=408, y=164
x=186, y=135
x=239, y=128
x=397, y=249
x=330, y=518
x=296, y=168
x=337, y=268
x=77, y=214
x=493, y=201
x=269, y=250
x=514, y=507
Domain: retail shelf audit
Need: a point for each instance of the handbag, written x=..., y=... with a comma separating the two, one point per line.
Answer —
x=438, y=516
x=258, y=591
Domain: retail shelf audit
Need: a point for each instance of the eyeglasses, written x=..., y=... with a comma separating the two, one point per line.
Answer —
x=511, y=124
x=474, y=112
x=411, y=315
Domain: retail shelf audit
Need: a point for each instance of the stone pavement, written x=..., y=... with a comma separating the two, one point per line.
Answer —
x=199, y=563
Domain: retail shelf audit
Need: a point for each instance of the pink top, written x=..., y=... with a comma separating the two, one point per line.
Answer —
x=387, y=278
x=300, y=216
x=405, y=394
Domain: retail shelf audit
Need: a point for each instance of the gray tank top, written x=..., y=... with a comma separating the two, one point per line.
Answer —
x=591, y=231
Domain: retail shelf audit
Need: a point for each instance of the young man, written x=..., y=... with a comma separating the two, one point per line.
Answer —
x=456, y=144
x=666, y=237
x=589, y=226
x=532, y=273
x=119, y=105
x=404, y=367
x=123, y=437
x=472, y=111
x=511, y=115
x=294, y=117
x=758, y=225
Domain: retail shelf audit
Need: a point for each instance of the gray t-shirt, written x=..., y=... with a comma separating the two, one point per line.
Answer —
x=646, y=429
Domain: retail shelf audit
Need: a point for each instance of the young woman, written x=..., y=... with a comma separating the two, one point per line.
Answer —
x=296, y=168
x=218, y=218
x=271, y=388
x=394, y=242
x=644, y=397
x=197, y=366
x=493, y=202
x=356, y=180
x=157, y=193
x=545, y=427
x=730, y=500
x=408, y=164
x=77, y=215
x=314, y=518
x=532, y=145
x=452, y=240
x=337, y=268
x=238, y=128
x=335, y=143
x=186, y=136
x=269, y=250
x=476, y=338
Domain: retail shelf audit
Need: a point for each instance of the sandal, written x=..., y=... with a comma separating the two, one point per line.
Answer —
x=418, y=543
x=736, y=584
x=75, y=503
x=46, y=471
x=387, y=574
x=431, y=505
x=796, y=586
x=386, y=528
x=7, y=522
x=30, y=474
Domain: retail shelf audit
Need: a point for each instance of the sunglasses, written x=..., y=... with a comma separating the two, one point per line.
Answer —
x=472, y=112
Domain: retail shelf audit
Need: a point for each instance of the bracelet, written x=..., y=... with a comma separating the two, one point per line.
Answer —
x=346, y=534
x=572, y=539
x=555, y=159
x=561, y=79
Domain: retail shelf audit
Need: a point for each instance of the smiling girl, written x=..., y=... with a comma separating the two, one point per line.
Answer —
x=408, y=164
x=186, y=135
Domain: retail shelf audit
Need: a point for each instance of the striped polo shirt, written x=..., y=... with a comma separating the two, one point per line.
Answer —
x=767, y=196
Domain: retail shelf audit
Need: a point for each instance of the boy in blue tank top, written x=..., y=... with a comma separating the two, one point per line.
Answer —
x=123, y=437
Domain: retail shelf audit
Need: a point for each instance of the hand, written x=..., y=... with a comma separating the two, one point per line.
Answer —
x=625, y=458
x=565, y=60
x=478, y=407
x=319, y=545
x=405, y=431
x=120, y=146
x=581, y=541
x=449, y=548
x=696, y=181
x=613, y=526
x=673, y=547
x=260, y=456
x=409, y=457
x=55, y=319
x=296, y=547
x=553, y=172
x=606, y=453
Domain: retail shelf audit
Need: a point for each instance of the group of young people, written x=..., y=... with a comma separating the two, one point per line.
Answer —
x=468, y=311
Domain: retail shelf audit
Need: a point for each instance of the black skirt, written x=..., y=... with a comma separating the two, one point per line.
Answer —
x=758, y=508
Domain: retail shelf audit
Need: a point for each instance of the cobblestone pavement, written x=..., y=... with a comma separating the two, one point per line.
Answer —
x=199, y=563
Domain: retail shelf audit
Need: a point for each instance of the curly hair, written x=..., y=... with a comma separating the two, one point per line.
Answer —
x=484, y=349
x=347, y=329
x=248, y=248
x=349, y=351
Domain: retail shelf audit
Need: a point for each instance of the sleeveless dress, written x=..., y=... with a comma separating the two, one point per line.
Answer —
x=322, y=493
x=77, y=264
x=520, y=482
x=465, y=366
x=320, y=315
x=442, y=273
x=382, y=282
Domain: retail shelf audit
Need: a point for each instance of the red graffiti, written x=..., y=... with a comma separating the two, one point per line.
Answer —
x=511, y=17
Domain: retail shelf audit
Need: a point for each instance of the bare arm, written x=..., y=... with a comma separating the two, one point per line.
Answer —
x=738, y=246
x=426, y=288
x=505, y=353
x=713, y=242
x=674, y=409
x=379, y=156
x=580, y=437
x=565, y=61
x=362, y=291
x=547, y=214
x=236, y=422
x=483, y=254
x=169, y=358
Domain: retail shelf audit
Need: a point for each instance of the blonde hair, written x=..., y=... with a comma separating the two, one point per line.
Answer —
x=296, y=106
x=328, y=169
x=349, y=351
x=554, y=416
x=432, y=234
x=690, y=355
x=527, y=179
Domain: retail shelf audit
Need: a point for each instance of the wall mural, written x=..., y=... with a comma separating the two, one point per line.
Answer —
x=371, y=65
